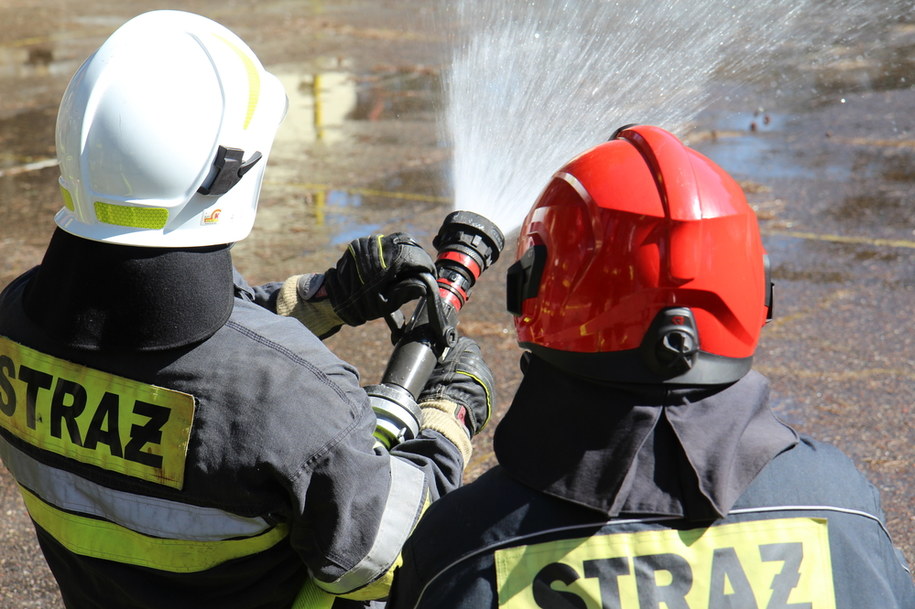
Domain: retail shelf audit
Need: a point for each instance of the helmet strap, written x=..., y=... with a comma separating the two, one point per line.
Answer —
x=769, y=288
x=523, y=278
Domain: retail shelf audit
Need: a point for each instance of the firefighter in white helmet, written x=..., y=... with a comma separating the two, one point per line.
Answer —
x=181, y=438
x=640, y=464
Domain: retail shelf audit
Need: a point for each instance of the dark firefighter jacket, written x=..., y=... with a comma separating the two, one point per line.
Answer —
x=177, y=444
x=606, y=499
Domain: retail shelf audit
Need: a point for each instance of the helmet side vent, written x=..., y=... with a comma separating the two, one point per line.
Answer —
x=671, y=344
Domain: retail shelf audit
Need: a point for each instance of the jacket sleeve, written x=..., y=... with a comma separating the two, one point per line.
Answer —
x=262, y=295
x=293, y=298
x=355, y=503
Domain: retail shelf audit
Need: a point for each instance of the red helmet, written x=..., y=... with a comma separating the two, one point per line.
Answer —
x=641, y=262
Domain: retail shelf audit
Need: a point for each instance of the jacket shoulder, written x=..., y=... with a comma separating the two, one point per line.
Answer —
x=812, y=473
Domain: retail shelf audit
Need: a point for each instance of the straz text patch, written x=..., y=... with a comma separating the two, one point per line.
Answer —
x=764, y=564
x=121, y=425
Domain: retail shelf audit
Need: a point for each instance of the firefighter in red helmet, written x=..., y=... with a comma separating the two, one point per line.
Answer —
x=640, y=462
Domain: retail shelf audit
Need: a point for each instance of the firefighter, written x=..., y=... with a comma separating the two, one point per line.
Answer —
x=640, y=464
x=180, y=438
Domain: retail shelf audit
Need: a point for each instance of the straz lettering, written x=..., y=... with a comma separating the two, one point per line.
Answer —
x=116, y=423
x=764, y=564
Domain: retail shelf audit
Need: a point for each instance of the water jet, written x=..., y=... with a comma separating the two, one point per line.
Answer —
x=529, y=84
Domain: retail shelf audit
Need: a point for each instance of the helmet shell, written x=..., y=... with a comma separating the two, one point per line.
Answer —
x=142, y=122
x=634, y=226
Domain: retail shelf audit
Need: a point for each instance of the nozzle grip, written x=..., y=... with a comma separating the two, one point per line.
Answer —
x=410, y=365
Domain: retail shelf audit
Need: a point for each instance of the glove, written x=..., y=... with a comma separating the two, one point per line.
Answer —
x=376, y=276
x=297, y=297
x=462, y=385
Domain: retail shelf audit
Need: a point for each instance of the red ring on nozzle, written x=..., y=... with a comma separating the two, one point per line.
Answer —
x=464, y=260
x=451, y=299
x=452, y=293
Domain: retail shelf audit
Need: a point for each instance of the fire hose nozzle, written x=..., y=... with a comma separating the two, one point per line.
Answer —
x=467, y=244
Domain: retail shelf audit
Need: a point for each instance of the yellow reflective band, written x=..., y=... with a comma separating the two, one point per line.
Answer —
x=152, y=218
x=380, y=588
x=313, y=597
x=764, y=563
x=68, y=198
x=108, y=541
x=91, y=416
x=254, y=79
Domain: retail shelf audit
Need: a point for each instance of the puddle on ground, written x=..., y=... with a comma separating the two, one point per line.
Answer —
x=322, y=104
x=347, y=214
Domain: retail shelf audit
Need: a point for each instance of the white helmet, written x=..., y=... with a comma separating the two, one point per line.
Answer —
x=163, y=135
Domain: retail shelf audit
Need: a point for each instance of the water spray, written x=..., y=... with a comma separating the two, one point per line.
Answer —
x=467, y=244
x=529, y=85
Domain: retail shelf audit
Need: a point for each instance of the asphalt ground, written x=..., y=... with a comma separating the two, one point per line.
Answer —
x=829, y=173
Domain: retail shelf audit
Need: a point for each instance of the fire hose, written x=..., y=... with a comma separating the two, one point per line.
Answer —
x=467, y=244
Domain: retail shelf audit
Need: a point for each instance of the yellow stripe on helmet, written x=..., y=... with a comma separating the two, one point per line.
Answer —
x=254, y=78
x=153, y=218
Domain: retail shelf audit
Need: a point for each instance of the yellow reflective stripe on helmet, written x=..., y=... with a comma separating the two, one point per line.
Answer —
x=108, y=541
x=133, y=217
x=125, y=426
x=764, y=563
x=254, y=79
x=68, y=198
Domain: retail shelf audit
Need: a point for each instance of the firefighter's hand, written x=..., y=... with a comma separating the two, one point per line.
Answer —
x=376, y=276
x=462, y=384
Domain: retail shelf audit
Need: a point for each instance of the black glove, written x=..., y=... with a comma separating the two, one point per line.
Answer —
x=464, y=379
x=376, y=276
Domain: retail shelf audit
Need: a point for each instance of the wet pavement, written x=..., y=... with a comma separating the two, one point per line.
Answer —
x=828, y=167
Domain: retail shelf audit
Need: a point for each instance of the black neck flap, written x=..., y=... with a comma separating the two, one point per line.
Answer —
x=687, y=452
x=93, y=295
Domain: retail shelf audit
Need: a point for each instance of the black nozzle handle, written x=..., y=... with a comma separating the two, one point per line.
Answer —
x=419, y=347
